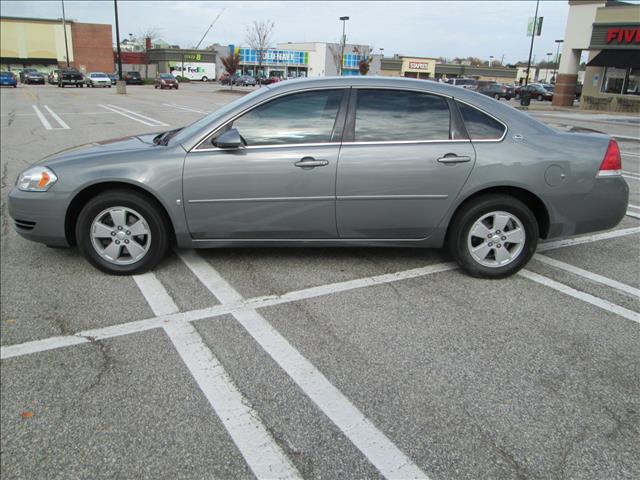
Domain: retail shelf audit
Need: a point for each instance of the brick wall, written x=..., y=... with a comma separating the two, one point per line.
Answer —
x=92, y=47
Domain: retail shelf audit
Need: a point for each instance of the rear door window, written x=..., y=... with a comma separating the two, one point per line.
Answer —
x=480, y=126
x=397, y=115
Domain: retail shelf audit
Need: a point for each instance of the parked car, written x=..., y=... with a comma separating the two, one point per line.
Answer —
x=452, y=165
x=537, y=91
x=133, y=78
x=70, y=76
x=34, y=77
x=496, y=91
x=166, y=80
x=8, y=79
x=245, y=81
x=468, y=83
x=98, y=79
x=225, y=79
x=272, y=79
x=52, y=78
x=113, y=77
x=24, y=72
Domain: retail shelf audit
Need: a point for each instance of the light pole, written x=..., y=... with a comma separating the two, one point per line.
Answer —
x=344, y=41
x=546, y=73
x=555, y=66
x=64, y=27
x=490, y=60
x=533, y=36
x=120, y=85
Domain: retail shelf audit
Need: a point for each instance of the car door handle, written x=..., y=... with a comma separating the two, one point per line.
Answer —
x=310, y=162
x=452, y=158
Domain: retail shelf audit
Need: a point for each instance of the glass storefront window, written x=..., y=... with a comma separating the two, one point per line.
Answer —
x=613, y=80
x=621, y=81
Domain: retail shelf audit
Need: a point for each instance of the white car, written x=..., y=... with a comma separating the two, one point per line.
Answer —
x=98, y=79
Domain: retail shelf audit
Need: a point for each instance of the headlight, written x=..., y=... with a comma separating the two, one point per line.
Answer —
x=36, y=179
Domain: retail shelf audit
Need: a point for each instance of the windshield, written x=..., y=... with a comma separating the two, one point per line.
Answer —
x=190, y=130
x=167, y=75
x=98, y=75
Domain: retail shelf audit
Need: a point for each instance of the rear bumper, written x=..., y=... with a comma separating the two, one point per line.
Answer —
x=39, y=216
x=600, y=209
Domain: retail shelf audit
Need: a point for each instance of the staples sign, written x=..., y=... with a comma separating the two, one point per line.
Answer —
x=419, y=65
x=623, y=35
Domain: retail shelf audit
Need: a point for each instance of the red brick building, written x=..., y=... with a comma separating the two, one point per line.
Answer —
x=92, y=47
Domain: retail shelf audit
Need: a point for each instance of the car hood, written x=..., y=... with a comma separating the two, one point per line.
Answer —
x=103, y=148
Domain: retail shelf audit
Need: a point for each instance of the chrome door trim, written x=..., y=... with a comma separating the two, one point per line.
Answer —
x=391, y=197
x=258, y=199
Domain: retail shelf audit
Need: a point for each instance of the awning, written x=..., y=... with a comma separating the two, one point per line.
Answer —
x=616, y=58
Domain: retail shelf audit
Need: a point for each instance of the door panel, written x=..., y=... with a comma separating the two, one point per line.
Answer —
x=261, y=193
x=398, y=190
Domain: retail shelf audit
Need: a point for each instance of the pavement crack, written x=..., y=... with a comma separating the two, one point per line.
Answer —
x=106, y=363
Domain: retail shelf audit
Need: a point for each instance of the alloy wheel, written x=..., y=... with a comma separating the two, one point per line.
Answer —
x=120, y=235
x=496, y=239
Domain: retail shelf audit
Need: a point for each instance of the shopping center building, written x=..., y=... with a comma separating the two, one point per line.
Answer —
x=610, y=32
x=40, y=43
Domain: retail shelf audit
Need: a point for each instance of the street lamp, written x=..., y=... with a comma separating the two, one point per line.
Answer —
x=555, y=66
x=490, y=60
x=64, y=28
x=344, y=41
x=546, y=73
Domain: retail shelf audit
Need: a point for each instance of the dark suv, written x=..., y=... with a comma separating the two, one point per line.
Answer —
x=133, y=78
x=70, y=76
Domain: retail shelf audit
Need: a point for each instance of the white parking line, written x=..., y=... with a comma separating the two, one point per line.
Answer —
x=594, y=277
x=43, y=119
x=182, y=107
x=57, y=118
x=139, y=115
x=632, y=214
x=52, y=343
x=263, y=455
x=156, y=295
x=631, y=175
x=635, y=207
x=156, y=123
x=585, y=297
x=566, y=242
x=375, y=445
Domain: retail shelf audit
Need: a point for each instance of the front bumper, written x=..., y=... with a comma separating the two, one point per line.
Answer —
x=39, y=216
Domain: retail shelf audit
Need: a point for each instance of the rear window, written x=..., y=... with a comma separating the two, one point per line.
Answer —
x=133, y=74
x=166, y=75
x=480, y=125
x=396, y=115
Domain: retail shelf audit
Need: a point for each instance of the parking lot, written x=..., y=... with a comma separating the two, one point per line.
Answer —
x=311, y=363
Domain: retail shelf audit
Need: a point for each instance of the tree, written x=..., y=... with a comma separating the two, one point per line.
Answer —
x=363, y=66
x=152, y=33
x=231, y=63
x=258, y=37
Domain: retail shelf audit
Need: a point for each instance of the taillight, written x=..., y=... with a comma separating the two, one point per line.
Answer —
x=612, y=163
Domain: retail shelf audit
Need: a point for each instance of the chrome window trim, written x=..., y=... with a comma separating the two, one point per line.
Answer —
x=487, y=140
x=248, y=109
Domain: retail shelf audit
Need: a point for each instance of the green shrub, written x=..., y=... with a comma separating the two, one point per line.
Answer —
x=182, y=79
x=148, y=81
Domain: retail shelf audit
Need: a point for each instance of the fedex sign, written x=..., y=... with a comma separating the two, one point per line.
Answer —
x=623, y=35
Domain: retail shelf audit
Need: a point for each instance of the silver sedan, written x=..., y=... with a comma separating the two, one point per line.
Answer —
x=333, y=161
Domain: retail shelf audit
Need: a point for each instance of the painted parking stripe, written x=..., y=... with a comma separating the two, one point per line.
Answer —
x=107, y=107
x=42, y=118
x=156, y=295
x=57, y=118
x=136, y=326
x=585, y=297
x=633, y=214
x=375, y=445
x=635, y=207
x=567, y=242
x=594, y=277
x=263, y=455
x=182, y=107
x=158, y=122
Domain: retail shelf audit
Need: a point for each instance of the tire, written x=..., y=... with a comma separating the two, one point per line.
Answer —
x=155, y=86
x=176, y=87
x=204, y=79
x=500, y=261
x=507, y=98
x=497, y=96
x=109, y=86
x=154, y=243
x=540, y=98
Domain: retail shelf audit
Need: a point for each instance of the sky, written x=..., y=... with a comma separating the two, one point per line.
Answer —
x=430, y=28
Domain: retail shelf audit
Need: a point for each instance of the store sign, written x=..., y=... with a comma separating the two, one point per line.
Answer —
x=419, y=65
x=623, y=35
x=192, y=56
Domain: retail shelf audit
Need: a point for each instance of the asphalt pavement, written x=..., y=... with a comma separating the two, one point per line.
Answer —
x=309, y=363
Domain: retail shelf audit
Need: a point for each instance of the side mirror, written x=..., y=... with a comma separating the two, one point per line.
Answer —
x=229, y=139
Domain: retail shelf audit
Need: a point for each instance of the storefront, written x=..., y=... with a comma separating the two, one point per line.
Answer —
x=610, y=32
x=423, y=68
x=445, y=71
x=193, y=64
x=275, y=62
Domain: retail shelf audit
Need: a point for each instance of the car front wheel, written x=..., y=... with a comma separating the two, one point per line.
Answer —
x=494, y=236
x=122, y=233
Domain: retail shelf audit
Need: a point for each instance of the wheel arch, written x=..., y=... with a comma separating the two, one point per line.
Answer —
x=530, y=199
x=90, y=191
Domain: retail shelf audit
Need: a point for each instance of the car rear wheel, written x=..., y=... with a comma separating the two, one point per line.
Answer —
x=493, y=236
x=122, y=233
x=204, y=79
